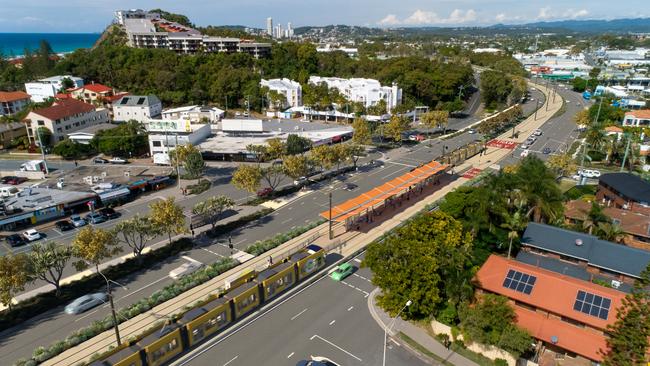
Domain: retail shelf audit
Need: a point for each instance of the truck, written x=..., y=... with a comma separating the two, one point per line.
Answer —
x=33, y=166
x=161, y=159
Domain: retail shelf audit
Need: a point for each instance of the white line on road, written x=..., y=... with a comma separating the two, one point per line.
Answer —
x=334, y=345
x=215, y=253
x=234, y=358
x=356, y=288
x=332, y=322
x=286, y=221
x=393, y=173
x=363, y=278
x=291, y=354
x=190, y=259
x=350, y=308
x=396, y=163
x=299, y=314
x=357, y=260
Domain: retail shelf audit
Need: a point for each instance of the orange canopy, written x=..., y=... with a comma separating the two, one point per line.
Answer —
x=379, y=194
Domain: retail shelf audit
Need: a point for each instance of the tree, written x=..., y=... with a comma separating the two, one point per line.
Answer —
x=45, y=136
x=362, y=134
x=14, y=274
x=413, y=261
x=396, y=127
x=545, y=200
x=610, y=232
x=212, y=208
x=355, y=152
x=295, y=166
x=182, y=152
x=562, y=164
x=491, y=321
x=247, y=177
x=69, y=149
x=168, y=217
x=66, y=83
x=136, y=232
x=435, y=119
x=272, y=175
x=126, y=140
x=194, y=165
x=495, y=88
x=297, y=144
x=324, y=156
x=514, y=223
x=92, y=245
x=627, y=344
x=276, y=148
x=595, y=216
x=47, y=262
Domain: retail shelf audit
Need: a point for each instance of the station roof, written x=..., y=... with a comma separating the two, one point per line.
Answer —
x=379, y=194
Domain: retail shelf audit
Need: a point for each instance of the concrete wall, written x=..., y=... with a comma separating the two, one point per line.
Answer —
x=18, y=173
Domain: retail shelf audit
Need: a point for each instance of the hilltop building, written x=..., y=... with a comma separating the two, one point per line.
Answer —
x=137, y=107
x=13, y=102
x=367, y=91
x=43, y=89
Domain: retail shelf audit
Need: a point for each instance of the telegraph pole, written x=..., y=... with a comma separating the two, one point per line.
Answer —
x=330, y=218
x=40, y=143
x=627, y=150
x=178, y=169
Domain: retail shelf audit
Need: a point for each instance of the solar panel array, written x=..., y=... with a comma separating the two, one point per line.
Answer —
x=519, y=281
x=593, y=305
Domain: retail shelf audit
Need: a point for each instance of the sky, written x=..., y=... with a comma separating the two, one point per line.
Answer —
x=94, y=15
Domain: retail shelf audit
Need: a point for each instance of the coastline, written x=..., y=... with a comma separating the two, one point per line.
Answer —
x=13, y=45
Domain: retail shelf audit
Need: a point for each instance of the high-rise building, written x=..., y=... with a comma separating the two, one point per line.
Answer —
x=269, y=26
x=289, y=30
x=278, y=31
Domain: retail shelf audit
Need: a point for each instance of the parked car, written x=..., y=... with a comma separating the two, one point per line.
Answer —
x=342, y=271
x=86, y=302
x=300, y=181
x=15, y=240
x=185, y=269
x=471, y=131
x=524, y=153
x=591, y=173
x=6, y=179
x=31, y=235
x=77, y=221
x=109, y=213
x=264, y=192
x=16, y=180
x=525, y=145
x=95, y=218
x=64, y=225
x=117, y=160
x=317, y=361
x=350, y=186
x=546, y=151
x=100, y=161
x=537, y=133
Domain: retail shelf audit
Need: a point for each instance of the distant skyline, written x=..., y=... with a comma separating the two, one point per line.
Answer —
x=95, y=15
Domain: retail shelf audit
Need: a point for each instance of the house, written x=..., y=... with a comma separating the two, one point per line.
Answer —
x=92, y=94
x=291, y=90
x=567, y=316
x=85, y=135
x=64, y=117
x=47, y=88
x=624, y=190
x=194, y=113
x=638, y=118
x=165, y=135
x=137, y=107
x=367, y=91
x=12, y=102
x=10, y=131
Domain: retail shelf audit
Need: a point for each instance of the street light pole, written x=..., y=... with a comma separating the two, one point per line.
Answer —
x=330, y=217
x=114, y=314
x=386, y=331
x=38, y=134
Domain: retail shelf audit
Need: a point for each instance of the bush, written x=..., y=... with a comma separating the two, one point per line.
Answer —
x=265, y=245
x=500, y=362
x=578, y=191
x=202, y=186
x=232, y=225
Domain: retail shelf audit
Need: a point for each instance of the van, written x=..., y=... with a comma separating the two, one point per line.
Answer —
x=8, y=191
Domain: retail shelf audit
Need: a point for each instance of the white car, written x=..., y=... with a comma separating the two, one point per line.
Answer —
x=77, y=221
x=590, y=173
x=524, y=153
x=471, y=131
x=537, y=133
x=117, y=160
x=300, y=181
x=31, y=235
x=86, y=302
x=185, y=269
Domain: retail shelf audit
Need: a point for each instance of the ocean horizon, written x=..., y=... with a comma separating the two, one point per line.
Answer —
x=14, y=44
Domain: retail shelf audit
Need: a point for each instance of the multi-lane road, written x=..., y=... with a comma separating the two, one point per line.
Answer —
x=53, y=325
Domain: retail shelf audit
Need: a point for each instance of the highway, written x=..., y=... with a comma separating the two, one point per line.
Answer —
x=53, y=325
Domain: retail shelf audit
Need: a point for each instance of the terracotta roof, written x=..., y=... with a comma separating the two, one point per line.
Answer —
x=552, y=292
x=613, y=129
x=13, y=96
x=97, y=88
x=62, y=96
x=64, y=108
x=630, y=222
x=116, y=97
x=641, y=113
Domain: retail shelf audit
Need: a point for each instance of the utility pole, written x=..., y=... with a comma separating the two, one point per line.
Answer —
x=331, y=236
x=546, y=101
x=178, y=169
x=109, y=292
x=627, y=150
x=40, y=143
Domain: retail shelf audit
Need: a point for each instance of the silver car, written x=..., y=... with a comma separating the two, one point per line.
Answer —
x=86, y=302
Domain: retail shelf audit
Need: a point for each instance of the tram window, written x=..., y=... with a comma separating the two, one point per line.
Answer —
x=246, y=302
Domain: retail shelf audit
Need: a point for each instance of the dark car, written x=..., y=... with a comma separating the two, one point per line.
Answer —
x=109, y=213
x=6, y=179
x=14, y=181
x=64, y=225
x=546, y=151
x=264, y=192
x=350, y=186
x=15, y=240
x=100, y=161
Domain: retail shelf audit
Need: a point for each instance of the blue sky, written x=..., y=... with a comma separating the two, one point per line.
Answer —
x=94, y=15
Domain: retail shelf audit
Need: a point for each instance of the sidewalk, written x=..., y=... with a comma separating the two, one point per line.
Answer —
x=415, y=333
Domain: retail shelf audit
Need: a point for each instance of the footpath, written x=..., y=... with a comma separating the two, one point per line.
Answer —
x=346, y=244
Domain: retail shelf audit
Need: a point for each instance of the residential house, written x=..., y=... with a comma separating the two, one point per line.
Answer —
x=624, y=190
x=85, y=135
x=195, y=114
x=12, y=102
x=638, y=118
x=10, y=131
x=64, y=117
x=291, y=90
x=137, y=107
x=43, y=89
x=92, y=93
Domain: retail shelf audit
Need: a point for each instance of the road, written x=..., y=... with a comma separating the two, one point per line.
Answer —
x=338, y=326
x=53, y=325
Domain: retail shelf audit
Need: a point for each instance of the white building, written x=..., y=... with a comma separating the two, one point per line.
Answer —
x=639, y=118
x=137, y=107
x=64, y=117
x=269, y=26
x=85, y=135
x=350, y=51
x=367, y=91
x=165, y=135
x=44, y=89
x=122, y=15
x=289, y=88
x=194, y=113
x=12, y=102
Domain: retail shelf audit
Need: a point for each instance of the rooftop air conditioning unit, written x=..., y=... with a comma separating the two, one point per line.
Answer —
x=616, y=284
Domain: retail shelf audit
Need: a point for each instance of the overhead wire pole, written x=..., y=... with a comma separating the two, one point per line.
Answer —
x=330, y=216
x=178, y=169
x=40, y=143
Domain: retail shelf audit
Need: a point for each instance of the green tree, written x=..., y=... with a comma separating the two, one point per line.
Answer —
x=14, y=275
x=396, y=127
x=297, y=144
x=247, y=177
x=69, y=149
x=136, y=232
x=354, y=152
x=93, y=245
x=47, y=262
x=435, y=119
x=627, y=344
x=275, y=148
x=66, y=83
x=45, y=136
x=411, y=263
x=610, y=232
x=324, y=156
x=167, y=217
x=126, y=140
x=514, y=223
x=194, y=165
x=537, y=182
x=562, y=164
x=579, y=84
x=595, y=216
x=295, y=166
x=495, y=88
x=362, y=134
x=212, y=208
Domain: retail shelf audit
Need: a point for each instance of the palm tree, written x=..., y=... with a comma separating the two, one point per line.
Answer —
x=514, y=223
x=596, y=136
x=545, y=201
x=610, y=232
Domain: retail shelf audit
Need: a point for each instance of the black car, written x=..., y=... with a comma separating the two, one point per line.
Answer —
x=100, y=161
x=546, y=151
x=64, y=225
x=15, y=240
x=109, y=213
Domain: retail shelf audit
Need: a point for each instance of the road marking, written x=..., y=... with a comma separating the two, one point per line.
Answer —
x=350, y=308
x=363, y=278
x=190, y=259
x=286, y=221
x=356, y=288
x=357, y=260
x=215, y=253
x=299, y=314
x=234, y=358
x=396, y=163
x=332, y=322
x=393, y=173
x=60, y=233
x=291, y=354
x=334, y=345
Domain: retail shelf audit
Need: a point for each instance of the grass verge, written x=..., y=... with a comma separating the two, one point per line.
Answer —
x=420, y=348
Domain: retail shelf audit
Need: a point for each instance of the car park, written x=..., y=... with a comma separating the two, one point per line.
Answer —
x=15, y=240
x=185, y=269
x=537, y=133
x=95, y=218
x=31, y=235
x=86, y=302
x=524, y=153
x=64, y=225
x=117, y=160
x=109, y=213
x=100, y=161
x=342, y=271
x=77, y=221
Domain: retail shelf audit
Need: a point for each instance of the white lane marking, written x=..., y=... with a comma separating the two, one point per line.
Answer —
x=363, y=278
x=215, y=253
x=57, y=231
x=286, y=221
x=357, y=260
x=334, y=345
x=350, y=308
x=191, y=259
x=393, y=173
x=234, y=358
x=299, y=314
x=291, y=354
x=356, y=288
x=332, y=322
x=396, y=163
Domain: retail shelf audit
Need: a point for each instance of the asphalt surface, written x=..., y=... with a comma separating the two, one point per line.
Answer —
x=337, y=326
x=54, y=325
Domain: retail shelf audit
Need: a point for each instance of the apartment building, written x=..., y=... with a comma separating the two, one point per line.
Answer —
x=624, y=190
x=194, y=114
x=165, y=135
x=43, y=89
x=137, y=107
x=638, y=118
x=94, y=94
x=12, y=102
x=367, y=91
x=64, y=117
x=292, y=91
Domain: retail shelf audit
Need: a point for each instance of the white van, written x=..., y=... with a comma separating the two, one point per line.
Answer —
x=8, y=191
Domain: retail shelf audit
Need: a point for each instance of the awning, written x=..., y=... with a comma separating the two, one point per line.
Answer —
x=138, y=184
x=379, y=194
x=158, y=180
x=114, y=194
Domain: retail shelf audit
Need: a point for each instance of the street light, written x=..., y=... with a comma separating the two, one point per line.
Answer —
x=110, y=300
x=386, y=331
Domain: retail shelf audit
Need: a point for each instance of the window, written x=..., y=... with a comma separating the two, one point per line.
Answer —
x=160, y=352
x=218, y=320
x=59, y=129
x=41, y=123
x=246, y=302
x=156, y=143
x=60, y=138
x=593, y=305
x=519, y=281
x=67, y=127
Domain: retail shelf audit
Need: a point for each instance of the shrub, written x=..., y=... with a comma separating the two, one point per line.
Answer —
x=232, y=225
x=200, y=187
x=500, y=362
x=265, y=245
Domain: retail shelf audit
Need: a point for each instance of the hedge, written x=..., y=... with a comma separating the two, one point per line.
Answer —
x=200, y=187
x=232, y=225
x=262, y=246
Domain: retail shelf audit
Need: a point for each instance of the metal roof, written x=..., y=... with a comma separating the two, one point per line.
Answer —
x=628, y=185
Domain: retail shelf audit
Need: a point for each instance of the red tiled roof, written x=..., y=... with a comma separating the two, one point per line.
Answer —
x=97, y=88
x=117, y=96
x=64, y=108
x=61, y=96
x=641, y=113
x=13, y=96
x=613, y=129
x=629, y=221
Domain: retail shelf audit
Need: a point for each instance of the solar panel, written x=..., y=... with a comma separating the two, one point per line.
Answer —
x=519, y=281
x=124, y=101
x=593, y=305
x=140, y=101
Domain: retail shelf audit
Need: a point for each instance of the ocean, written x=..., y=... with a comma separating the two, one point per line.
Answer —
x=14, y=44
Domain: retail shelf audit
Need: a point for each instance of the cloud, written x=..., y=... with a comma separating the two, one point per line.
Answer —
x=30, y=19
x=501, y=17
x=544, y=13
x=458, y=16
x=547, y=14
x=390, y=19
x=422, y=17
x=573, y=14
